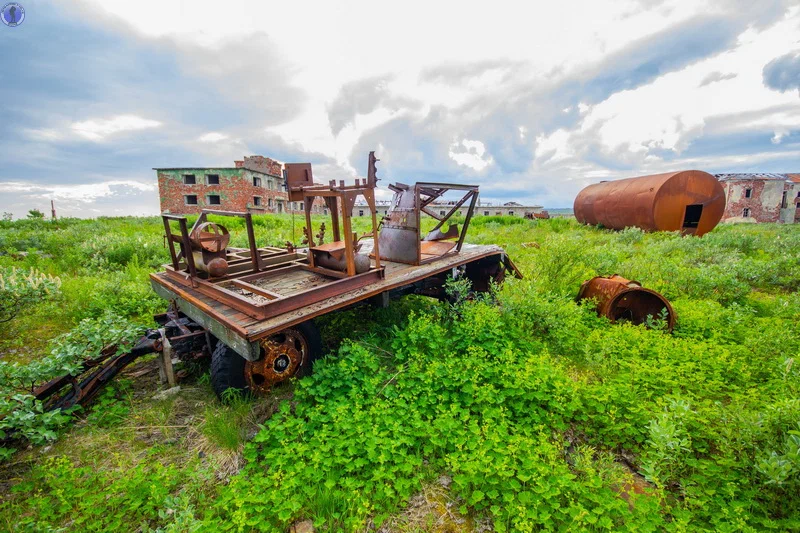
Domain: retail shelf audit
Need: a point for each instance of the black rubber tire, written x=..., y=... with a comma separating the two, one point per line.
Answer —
x=227, y=366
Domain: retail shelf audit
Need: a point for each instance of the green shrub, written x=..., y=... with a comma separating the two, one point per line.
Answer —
x=21, y=289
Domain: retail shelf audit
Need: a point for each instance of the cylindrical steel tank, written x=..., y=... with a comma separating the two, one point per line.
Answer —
x=619, y=298
x=690, y=201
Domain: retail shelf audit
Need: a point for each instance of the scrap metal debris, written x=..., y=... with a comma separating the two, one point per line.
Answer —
x=620, y=299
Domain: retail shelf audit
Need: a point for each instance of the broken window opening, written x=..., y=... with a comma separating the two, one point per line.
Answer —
x=213, y=199
x=748, y=193
x=190, y=199
x=746, y=212
x=256, y=200
x=189, y=179
x=212, y=179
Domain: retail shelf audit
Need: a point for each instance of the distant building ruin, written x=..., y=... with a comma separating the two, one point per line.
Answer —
x=761, y=197
x=254, y=184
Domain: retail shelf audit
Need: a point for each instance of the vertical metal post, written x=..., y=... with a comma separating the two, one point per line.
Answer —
x=309, y=231
x=349, y=252
x=170, y=243
x=466, y=221
x=333, y=205
x=251, y=238
x=187, y=248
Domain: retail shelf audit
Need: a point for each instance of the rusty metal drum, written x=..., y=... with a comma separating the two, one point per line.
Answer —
x=621, y=299
x=689, y=201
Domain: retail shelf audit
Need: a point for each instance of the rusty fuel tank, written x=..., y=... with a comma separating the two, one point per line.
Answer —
x=689, y=201
x=619, y=298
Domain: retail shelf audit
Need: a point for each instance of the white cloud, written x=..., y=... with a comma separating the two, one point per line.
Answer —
x=100, y=128
x=470, y=154
x=85, y=192
x=212, y=137
x=678, y=108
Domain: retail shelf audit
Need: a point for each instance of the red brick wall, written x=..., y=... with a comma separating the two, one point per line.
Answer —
x=262, y=164
x=762, y=202
x=235, y=189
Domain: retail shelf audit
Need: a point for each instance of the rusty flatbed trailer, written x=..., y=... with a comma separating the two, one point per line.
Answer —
x=243, y=332
x=258, y=303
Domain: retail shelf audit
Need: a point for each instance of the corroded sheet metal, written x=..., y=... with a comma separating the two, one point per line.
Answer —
x=690, y=201
x=619, y=298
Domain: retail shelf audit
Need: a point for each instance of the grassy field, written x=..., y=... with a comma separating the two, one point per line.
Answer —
x=525, y=413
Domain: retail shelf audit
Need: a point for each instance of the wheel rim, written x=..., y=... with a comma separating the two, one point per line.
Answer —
x=282, y=355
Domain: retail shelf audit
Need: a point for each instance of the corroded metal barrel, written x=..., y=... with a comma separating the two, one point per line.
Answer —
x=621, y=299
x=690, y=201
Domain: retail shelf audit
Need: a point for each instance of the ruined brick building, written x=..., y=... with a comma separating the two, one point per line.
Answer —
x=254, y=184
x=761, y=197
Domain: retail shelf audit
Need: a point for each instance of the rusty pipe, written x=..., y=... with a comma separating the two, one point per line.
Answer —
x=619, y=299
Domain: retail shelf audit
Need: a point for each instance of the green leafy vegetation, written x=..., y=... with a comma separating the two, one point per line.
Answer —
x=540, y=415
x=20, y=289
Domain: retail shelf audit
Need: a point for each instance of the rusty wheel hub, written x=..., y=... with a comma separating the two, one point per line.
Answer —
x=282, y=355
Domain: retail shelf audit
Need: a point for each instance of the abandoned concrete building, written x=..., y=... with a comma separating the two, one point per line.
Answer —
x=254, y=184
x=761, y=197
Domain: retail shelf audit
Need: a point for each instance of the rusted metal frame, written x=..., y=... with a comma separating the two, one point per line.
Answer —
x=292, y=265
x=44, y=391
x=103, y=369
x=325, y=271
x=370, y=198
x=433, y=214
x=509, y=264
x=237, y=271
x=450, y=186
x=333, y=205
x=187, y=248
x=173, y=317
x=451, y=212
x=230, y=298
x=308, y=201
x=277, y=260
x=264, y=256
x=200, y=220
x=289, y=302
x=406, y=280
x=181, y=292
x=317, y=294
x=255, y=257
x=251, y=238
x=436, y=258
x=432, y=196
x=349, y=245
x=170, y=242
x=417, y=207
x=256, y=290
x=467, y=220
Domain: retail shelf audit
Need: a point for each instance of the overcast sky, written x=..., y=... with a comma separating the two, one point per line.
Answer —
x=530, y=100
